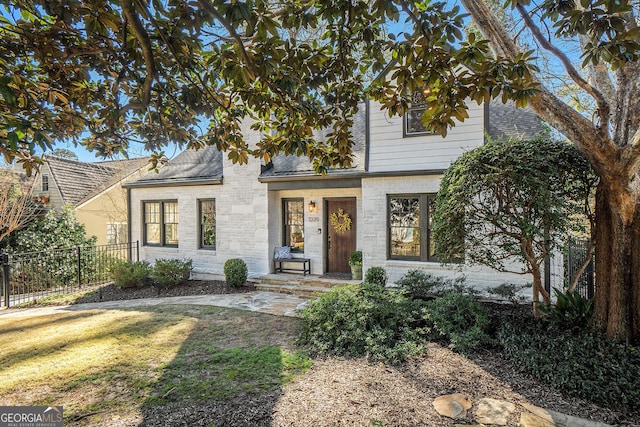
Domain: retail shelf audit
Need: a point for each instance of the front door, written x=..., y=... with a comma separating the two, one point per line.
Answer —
x=340, y=220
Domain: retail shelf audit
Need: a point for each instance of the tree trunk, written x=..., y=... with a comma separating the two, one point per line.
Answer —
x=617, y=290
x=538, y=289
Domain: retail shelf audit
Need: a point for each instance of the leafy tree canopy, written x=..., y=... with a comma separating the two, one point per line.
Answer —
x=513, y=200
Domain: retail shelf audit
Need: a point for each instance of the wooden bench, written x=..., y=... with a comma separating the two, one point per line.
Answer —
x=282, y=254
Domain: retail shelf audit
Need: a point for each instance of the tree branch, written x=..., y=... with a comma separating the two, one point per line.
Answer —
x=603, y=106
x=147, y=52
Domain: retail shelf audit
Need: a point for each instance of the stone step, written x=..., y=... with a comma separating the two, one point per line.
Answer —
x=303, y=291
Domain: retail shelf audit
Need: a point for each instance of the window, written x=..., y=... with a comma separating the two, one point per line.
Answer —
x=207, y=214
x=161, y=223
x=45, y=182
x=294, y=224
x=413, y=125
x=116, y=233
x=409, y=223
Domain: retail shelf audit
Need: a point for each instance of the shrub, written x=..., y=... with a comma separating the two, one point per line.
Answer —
x=459, y=319
x=422, y=285
x=171, y=272
x=571, y=310
x=509, y=291
x=364, y=320
x=235, y=272
x=376, y=275
x=127, y=274
x=579, y=362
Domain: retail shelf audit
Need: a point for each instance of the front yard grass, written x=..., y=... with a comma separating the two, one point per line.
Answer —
x=112, y=365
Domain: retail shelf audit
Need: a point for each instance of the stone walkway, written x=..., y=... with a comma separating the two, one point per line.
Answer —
x=263, y=302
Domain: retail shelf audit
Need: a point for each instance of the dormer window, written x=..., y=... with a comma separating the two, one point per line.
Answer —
x=413, y=125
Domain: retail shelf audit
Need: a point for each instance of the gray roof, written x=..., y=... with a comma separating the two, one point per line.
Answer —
x=284, y=166
x=80, y=181
x=189, y=167
x=506, y=121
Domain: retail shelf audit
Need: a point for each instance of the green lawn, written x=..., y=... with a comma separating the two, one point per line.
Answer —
x=105, y=365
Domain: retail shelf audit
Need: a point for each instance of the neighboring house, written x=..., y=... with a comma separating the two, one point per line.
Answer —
x=94, y=190
x=203, y=207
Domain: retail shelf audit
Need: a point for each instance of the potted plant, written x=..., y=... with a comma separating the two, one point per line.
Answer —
x=355, y=261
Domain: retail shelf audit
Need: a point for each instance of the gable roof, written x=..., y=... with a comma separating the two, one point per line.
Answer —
x=80, y=181
x=191, y=167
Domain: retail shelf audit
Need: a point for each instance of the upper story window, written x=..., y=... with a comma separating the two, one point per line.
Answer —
x=413, y=125
x=409, y=227
x=160, y=223
x=293, y=224
x=45, y=182
x=207, y=214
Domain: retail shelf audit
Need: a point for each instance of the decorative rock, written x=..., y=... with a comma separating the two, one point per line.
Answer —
x=452, y=405
x=493, y=411
x=540, y=417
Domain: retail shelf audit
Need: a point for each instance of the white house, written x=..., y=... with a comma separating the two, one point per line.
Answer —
x=203, y=207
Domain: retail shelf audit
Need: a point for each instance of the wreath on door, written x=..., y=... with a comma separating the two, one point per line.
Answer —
x=340, y=221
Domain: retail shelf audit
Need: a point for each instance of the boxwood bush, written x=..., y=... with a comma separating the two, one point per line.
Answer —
x=579, y=362
x=364, y=320
x=235, y=272
x=171, y=272
x=127, y=274
x=377, y=275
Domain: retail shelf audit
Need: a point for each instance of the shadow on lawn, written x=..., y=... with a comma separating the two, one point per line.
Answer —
x=228, y=371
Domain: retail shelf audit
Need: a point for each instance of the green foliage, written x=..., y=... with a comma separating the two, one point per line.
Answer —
x=128, y=274
x=355, y=258
x=235, y=272
x=56, y=230
x=582, y=363
x=422, y=285
x=171, y=272
x=511, y=201
x=364, y=320
x=377, y=275
x=571, y=310
x=460, y=320
x=509, y=291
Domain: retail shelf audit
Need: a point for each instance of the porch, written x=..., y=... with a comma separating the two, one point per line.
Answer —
x=308, y=286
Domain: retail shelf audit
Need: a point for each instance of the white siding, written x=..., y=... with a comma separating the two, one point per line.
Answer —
x=389, y=151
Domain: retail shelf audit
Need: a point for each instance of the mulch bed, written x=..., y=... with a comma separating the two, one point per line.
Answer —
x=111, y=292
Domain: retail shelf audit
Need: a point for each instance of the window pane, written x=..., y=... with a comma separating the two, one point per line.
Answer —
x=153, y=234
x=413, y=119
x=171, y=234
x=171, y=213
x=208, y=236
x=152, y=213
x=208, y=224
x=294, y=224
x=404, y=226
x=432, y=246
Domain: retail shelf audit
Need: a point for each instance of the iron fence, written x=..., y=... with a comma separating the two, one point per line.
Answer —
x=33, y=275
x=576, y=253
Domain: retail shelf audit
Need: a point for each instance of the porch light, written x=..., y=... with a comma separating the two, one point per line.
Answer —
x=312, y=206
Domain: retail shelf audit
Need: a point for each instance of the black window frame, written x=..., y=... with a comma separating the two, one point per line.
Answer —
x=162, y=223
x=201, y=224
x=44, y=182
x=418, y=105
x=425, y=202
x=286, y=230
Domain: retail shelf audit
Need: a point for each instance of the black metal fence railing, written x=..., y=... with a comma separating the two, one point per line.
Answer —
x=32, y=275
x=576, y=253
